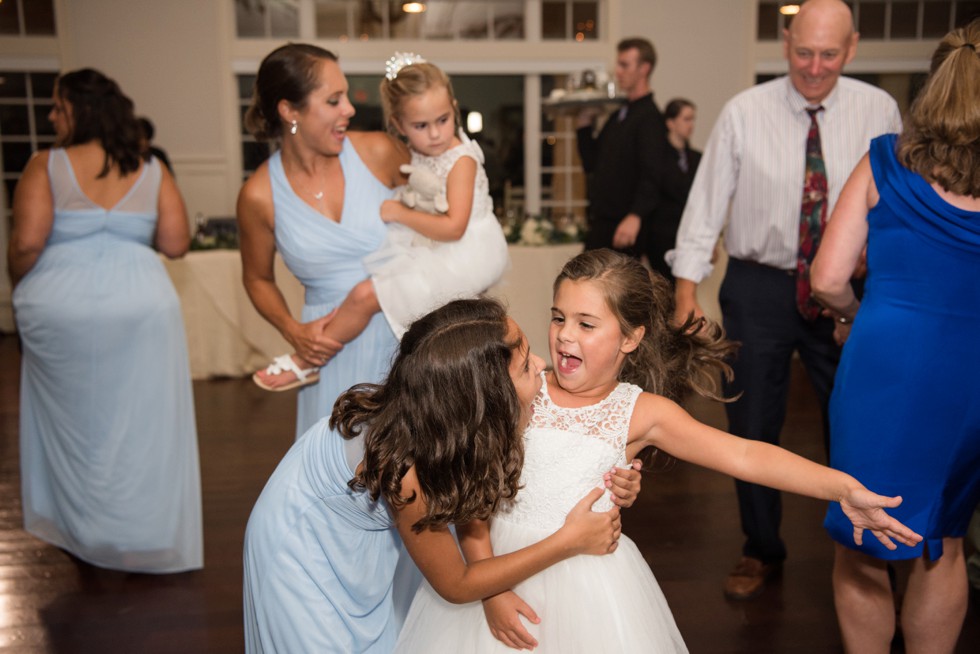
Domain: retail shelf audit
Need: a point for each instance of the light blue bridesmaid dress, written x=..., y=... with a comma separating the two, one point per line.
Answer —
x=108, y=443
x=326, y=257
x=325, y=570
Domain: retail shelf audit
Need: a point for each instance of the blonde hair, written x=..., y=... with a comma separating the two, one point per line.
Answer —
x=411, y=81
x=941, y=139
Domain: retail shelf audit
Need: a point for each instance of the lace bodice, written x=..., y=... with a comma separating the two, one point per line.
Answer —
x=443, y=163
x=567, y=450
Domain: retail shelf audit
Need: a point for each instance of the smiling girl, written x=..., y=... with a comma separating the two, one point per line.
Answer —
x=427, y=259
x=619, y=367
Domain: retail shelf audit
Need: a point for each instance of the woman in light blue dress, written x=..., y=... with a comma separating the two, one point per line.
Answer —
x=440, y=443
x=108, y=444
x=317, y=201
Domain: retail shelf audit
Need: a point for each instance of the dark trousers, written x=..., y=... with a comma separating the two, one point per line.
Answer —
x=600, y=235
x=759, y=307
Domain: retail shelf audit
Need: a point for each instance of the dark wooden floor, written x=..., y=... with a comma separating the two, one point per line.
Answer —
x=686, y=524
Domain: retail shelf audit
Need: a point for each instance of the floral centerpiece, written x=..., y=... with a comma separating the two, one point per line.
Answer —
x=539, y=230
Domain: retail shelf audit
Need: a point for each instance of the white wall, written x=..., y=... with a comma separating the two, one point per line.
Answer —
x=177, y=60
x=171, y=59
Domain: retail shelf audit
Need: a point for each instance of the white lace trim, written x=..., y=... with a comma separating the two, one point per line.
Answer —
x=567, y=451
x=608, y=420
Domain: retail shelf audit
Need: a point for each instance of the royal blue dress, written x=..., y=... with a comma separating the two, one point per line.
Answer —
x=905, y=415
x=108, y=443
x=325, y=569
x=326, y=257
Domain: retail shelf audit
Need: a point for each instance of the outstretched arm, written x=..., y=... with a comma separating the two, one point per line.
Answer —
x=659, y=422
x=437, y=556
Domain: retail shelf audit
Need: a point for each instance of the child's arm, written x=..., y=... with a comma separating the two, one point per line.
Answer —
x=438, y=558
x=452, y=225
x=661, y=423
x=503, y=608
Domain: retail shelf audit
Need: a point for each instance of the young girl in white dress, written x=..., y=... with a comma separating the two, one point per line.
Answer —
x=427, y=259
x=618, y=367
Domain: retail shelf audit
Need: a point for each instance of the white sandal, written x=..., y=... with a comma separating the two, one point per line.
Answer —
x=283, y=364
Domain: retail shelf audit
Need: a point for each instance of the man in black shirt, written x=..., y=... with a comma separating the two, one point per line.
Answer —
x=620, y=162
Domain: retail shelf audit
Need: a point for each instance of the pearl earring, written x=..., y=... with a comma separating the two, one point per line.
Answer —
x=293, y=128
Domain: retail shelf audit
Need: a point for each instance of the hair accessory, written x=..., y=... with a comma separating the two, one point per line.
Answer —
x=399, y=61
x=293, y=128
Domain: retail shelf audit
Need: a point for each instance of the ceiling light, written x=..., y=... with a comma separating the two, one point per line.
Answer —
x=413, y=7
x=789, y=8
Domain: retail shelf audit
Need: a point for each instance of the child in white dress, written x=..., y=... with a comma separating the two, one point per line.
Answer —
x=427, y=259
x=618, y=367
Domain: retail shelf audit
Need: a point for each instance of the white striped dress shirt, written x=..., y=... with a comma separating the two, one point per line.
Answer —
x=754, y=163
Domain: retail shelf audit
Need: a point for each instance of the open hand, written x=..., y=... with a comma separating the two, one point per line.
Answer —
x=503, y=612
x=866, y=511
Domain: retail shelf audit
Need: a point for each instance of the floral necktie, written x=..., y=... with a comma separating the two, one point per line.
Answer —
x=813, y=218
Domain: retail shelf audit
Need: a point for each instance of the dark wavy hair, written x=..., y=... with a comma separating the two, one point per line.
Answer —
x=287, y=73
x=671, y=360
x=449, y=408
x=101, y=112
x=941, y=133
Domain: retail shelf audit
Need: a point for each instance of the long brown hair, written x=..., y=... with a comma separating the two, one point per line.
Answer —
x=670, y=360
x=942, y=131
x=449, y=408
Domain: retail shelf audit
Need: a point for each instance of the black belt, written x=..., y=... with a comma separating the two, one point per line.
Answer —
x=756, y=264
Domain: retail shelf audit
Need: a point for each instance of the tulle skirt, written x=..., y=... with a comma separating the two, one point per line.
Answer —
x=586, y=604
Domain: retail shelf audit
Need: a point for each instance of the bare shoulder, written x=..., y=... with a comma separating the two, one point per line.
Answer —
x=37, y=164
x=255, y=207
x=382, y=153
x=256, y=192
x=651, y=410
x=34, y=179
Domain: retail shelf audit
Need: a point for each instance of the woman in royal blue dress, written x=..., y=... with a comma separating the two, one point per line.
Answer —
x=904, y=412
x=108, y=443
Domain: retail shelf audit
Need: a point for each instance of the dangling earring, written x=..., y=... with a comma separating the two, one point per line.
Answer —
x=293, y=128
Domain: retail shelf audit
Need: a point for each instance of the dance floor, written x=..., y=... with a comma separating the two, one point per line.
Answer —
x=685, y=523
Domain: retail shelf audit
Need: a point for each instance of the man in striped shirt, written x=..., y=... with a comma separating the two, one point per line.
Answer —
x=752, y=173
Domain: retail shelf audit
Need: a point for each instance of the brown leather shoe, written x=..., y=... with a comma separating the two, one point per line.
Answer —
x=748, y=578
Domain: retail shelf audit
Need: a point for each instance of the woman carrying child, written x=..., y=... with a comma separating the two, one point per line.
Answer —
x=427, y=259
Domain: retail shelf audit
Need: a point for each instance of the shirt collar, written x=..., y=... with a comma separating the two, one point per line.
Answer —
x=798, y=103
